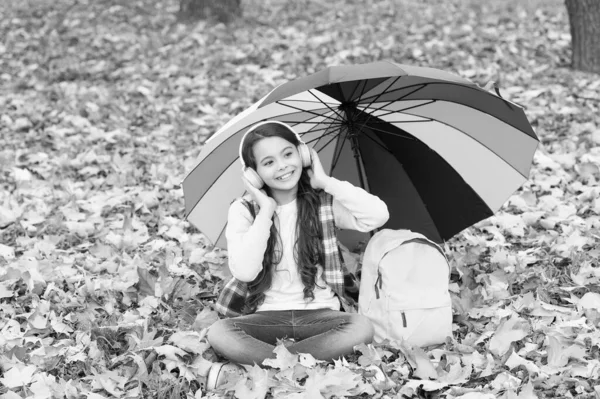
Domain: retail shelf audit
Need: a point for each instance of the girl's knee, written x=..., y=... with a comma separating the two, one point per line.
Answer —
x=363, y=328
x=216, y=332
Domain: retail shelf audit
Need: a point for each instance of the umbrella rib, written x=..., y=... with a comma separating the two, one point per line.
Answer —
x=318, y=123
x=316, y=130
x=386, y=103
x=335, y=135
x=312, y=130
x=303, y=101
x=335, y=123
x=396, y=99
x=379, y=144
x=393, y=134
x=365, y=87
x=383, y=92
x=317, y=139
x=364, y=83
x=308, y=111
x=325, y=104
x=418, y=86
x=465, y=86
x=338, y=154
x=424, y=120
x=376, y=97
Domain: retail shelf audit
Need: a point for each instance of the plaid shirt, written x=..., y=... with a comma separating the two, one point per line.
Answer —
x=232, y=299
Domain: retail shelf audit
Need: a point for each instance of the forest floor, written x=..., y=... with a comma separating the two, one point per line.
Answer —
x=105, y=289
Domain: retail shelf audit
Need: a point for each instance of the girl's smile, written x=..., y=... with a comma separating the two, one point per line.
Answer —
x=286, y=176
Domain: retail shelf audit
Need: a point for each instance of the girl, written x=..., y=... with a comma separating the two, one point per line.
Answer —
x=283, y=254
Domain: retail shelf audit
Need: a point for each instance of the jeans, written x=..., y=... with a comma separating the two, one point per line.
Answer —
x=324, y=333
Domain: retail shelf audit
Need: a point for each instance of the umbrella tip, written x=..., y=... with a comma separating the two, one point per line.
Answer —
x=489, y=85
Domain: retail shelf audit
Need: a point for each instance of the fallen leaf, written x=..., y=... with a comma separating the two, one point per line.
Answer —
x=509, y=330
x=419, y=361
x=189, y=341
x=559, y=354
x=370, y=355
x=206, y=318
x=147, y=282
x=527, y=392
x=170, y=352
x=18, y=376
x=254, y=386
x=590, y=300
x=8, y=253
x=197, y=255
x=284, y=360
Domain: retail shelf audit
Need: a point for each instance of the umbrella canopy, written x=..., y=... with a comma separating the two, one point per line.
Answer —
x=442, y=152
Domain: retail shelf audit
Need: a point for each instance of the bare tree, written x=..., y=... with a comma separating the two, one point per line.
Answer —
x=584, y=18
x=222, y=10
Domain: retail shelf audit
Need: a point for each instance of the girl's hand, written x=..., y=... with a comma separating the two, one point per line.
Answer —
x=318, y=177
x=265, y=202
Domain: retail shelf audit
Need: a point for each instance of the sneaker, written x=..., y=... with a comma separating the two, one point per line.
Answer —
x=379, y=379
x=375, y=373
x=221, y=373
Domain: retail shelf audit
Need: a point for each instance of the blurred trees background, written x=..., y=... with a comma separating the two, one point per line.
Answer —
x=222, y=10
x=584, y=18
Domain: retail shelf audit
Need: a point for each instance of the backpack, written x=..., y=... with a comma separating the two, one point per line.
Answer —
x=404, y=288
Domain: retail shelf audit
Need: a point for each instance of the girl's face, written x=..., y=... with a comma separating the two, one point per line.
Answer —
x=278, y=163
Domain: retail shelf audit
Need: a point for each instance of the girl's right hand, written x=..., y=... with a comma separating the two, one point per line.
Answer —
x=265, y=202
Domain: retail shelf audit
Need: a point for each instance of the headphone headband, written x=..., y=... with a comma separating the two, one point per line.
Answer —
x=254, y=127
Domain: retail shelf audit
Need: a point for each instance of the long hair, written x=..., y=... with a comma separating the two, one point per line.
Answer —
x=308, y=248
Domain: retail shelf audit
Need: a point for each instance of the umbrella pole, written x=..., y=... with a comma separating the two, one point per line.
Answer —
x=354, y=143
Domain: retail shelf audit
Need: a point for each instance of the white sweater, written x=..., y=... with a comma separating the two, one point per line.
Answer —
x=353, y=208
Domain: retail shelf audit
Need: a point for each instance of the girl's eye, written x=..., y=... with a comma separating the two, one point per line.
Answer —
x=288, y=154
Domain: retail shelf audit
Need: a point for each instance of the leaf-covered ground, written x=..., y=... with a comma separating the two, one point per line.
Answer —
x=106, y=292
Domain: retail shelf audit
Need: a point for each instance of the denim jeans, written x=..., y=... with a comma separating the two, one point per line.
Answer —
x=324, y=333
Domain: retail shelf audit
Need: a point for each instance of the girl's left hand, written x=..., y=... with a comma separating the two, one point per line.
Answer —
x=318, y=177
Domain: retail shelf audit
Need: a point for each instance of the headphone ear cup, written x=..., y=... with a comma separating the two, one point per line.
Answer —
x=305, y=155
x=253, y=178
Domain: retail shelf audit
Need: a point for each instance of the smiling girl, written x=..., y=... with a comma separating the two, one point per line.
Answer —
x=283, y=254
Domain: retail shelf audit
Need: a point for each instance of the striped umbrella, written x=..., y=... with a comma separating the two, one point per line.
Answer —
x=442, y=152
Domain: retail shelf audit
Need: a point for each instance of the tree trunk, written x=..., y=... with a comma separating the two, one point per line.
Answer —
x=222, y=10
x=584, y=18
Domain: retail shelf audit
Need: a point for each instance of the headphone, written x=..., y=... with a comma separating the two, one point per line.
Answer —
x=252, y=175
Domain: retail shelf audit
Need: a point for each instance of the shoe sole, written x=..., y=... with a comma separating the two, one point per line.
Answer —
x=213, y=377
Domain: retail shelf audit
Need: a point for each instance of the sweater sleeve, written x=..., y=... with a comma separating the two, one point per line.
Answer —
x=246, y=241
x=355, y=208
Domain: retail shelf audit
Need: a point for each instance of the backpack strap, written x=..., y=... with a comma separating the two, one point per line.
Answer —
x=427, y=242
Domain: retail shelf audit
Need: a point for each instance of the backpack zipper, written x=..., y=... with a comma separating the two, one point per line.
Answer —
x=378, y=286
x=380, y=281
